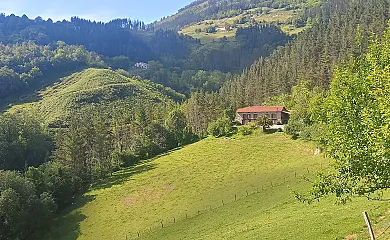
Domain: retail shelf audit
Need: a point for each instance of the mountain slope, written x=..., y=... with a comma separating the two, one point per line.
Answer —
x=217, y=9
x=95, y=86
x=342, y=30
x=235, y=188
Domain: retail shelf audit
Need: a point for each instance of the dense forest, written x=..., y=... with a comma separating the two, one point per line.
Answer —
x=177, y=61
x=105, y=114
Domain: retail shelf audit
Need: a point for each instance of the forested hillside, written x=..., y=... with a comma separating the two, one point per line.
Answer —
x=36, y=50
x=342, y=29
x=76, y=108
x=217, y=9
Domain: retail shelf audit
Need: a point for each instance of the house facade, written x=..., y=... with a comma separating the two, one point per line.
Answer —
x=142, y=65
x=276, y=114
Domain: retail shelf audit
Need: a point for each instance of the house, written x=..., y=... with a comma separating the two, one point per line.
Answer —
x=221, y=29
x=141, y=65
x=276, y=114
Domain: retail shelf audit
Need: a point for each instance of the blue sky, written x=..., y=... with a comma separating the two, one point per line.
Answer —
x=99, y=10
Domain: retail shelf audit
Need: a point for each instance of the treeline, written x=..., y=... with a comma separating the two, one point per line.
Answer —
x=218, y=9
x=209, y=66
x=258, y=40
x=28, y=66
x=43, y=169
x=298, y=75
x=118, y=37
x=312, y=55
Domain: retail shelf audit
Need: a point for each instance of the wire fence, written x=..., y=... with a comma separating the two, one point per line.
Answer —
x=168, y=221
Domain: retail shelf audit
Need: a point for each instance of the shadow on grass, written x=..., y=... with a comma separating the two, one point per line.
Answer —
x=67, y=223
x=123, y=175
x=271, y=131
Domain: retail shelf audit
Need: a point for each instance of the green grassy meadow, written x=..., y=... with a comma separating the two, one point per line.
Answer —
x=280, y=16
x=92, y=86
x=214, y=189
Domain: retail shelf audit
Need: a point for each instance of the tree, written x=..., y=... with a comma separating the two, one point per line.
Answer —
x=221, y=127
x=23, y=142
x=358, y=135
x=264, y=122
x=20, y=205
x=176, y=123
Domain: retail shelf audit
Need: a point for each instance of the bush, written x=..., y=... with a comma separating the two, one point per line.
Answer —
x=123, y=159
x=221, y=127
x=22, y=210
x=294, y=128
x=57, y=180
x=247, y=129
x=314, y=132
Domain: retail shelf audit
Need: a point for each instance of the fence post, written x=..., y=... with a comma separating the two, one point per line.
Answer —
x=372, y=236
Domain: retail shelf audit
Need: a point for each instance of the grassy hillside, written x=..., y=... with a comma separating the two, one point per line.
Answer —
x=94, y=86
x=194, y=19
x=282, y=17
x=214, y=189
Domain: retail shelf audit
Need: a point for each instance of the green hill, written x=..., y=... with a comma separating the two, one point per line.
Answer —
x=235, y=188
x=94, y=86
x=212, y=20
x=227, y=27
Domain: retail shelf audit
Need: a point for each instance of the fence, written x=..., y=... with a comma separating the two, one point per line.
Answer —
x=162, y=223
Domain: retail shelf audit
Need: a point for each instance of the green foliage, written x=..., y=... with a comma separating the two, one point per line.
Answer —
x=23, y=142
x=210, y=29
x=198, y=11
x=176, y=123
x=357, y=126
x=312, y=55
x=294, y=128
x=264, y=122
x=20, y=206
x=221, y=127
x=183, y=178
x=247, y=129
x=56, y=179
x=95, y=87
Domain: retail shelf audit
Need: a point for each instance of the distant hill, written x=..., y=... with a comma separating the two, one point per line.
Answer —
x=95, y=87
x=214, y=19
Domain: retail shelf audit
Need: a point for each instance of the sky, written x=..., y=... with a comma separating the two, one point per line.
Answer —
x=98, y=10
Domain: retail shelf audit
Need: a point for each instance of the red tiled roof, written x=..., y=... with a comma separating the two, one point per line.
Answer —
x=259, y=109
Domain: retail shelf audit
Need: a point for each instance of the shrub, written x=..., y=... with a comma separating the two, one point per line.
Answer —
x=22, y=209
x=294, y=128
x=247, y=129
x=221, y=127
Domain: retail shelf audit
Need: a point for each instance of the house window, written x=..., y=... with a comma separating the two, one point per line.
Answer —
x=273, y=115
x=255, y=116
x=244, y=116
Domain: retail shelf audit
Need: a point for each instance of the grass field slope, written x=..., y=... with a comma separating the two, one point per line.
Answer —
x=210, y=20
x=94, y=86
x=227, y=27
x=229, y=188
